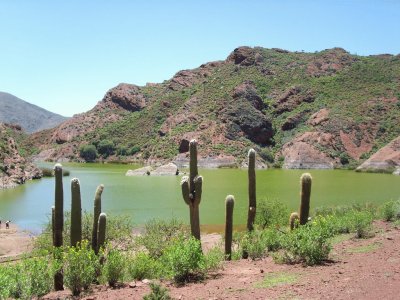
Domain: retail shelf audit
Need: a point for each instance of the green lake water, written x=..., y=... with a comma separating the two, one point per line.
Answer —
x=147, y=197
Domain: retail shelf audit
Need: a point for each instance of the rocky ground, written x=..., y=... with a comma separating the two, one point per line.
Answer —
x=357, y=269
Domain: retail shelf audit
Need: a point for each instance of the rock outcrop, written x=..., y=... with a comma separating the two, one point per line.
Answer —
x=386, y=159
x=14, y=169
x=301, y=153
x=145, y=171
x=168, y=169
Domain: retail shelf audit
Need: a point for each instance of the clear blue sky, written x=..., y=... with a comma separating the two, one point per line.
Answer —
x=64, y=55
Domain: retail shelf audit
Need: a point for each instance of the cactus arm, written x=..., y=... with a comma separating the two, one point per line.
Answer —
x=229, y=204
x=76, y=213
x=198, y=187
x=185, y=189
x=96, y=214
x=306, y=181
x=193, y=163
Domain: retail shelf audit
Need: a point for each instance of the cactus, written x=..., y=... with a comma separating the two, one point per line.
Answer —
x=101, y=231
x=252, y=190
x=294, y=220
x=96, y=214
x=192, y=189
x=229, y=204
x=58, y=223
x=306, y=181
x=76, y=213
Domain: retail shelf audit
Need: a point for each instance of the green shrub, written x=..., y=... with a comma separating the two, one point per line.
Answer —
x=213, y=258
x=80, y=267
x=134, y=150
x=157, y=293
x=106, y=148
x=114, y=265
x=142, y=266
x=32, y=277
x=271, y=213
x=88, y=152
x=309, y=244
x=390, y=210
x=160, y=234
x=183, y=260
x=362, y=224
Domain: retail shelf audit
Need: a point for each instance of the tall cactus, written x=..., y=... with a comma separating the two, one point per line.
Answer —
x=58, y=221
x=76, y=212
x=229, y=204
x=101, y=232
x=306, y=181
x=96, y=214
x=251, y=215
x=192, y=189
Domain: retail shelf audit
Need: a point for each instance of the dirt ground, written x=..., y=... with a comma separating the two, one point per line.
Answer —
x=13, y=242
x=358, y=269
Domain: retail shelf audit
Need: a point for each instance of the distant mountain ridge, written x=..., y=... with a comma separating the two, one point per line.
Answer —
x=30, y=117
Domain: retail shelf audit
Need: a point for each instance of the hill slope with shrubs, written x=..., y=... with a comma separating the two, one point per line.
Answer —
x=298, y=110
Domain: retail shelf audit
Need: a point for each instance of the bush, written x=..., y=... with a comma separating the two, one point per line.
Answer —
x=271, y=213
x=80, y=267
x=213, y=258
x=33, y=277
x=134, y=150
x=184, y=260
x=114, y=266
x=309, y=244
x=142, y=266
x=390, y=210
x=362, y=223
x=157, y=293
x=106, y=148
x=160, y=234
x=88, y=152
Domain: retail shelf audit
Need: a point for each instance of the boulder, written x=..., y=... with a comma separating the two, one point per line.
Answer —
x=140, y=172
x=168, y=169
x=397, y=171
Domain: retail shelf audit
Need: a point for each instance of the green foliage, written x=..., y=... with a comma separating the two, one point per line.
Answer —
x=159, y=235
x=106, y=148
x=157, y=293
x=271, y=213
x=80, y=267
x=213, y=259
x=134, y=150
x=114, y=265
x=309, y=244
x=88, y=152
x=390, y=210
x=32, y=277
x=184, y=260
x=142, y=265
x=362, y=223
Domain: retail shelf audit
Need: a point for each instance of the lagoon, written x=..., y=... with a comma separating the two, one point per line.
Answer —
x=144, y=198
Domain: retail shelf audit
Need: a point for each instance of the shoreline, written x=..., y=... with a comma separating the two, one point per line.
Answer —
x=14, y=242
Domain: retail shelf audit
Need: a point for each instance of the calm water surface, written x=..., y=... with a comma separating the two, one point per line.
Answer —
x=144, y=198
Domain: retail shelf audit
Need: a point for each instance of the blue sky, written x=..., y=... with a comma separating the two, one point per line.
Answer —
x=65, y=55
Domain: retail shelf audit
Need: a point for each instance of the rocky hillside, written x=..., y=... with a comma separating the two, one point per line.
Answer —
x=14, y=168
x=30, y=117
x=298, y=110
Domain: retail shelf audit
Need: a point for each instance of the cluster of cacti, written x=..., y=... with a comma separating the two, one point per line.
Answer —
x=192, y=189
x=58, y=222
x=57, y=217
x=302, y=218
x=229, y=204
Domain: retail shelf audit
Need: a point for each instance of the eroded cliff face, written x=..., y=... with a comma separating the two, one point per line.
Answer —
x=14, y=169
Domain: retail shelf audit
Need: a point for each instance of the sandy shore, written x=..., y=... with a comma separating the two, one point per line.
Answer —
x=13, y=242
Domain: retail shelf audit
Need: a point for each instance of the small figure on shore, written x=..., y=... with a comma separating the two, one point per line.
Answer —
x=8, y=224
x=0, y=223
